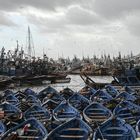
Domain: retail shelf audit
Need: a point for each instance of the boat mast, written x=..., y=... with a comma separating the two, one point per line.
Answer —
x=2, y=55
x=15, y=56
x=30, y=51
x=29, y=42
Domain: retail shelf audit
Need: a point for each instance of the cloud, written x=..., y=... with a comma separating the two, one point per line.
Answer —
x=80, y=16
x=132, y=23
x=75, y=17
x=47, y=24
x=73, y=26
x=5, y=20
x=39, y=4
x=115, y=8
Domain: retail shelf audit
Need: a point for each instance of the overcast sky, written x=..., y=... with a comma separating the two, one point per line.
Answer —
x=68, y=27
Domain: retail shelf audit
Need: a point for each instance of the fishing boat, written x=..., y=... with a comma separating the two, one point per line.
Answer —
x=20, y=95
x=91, y=83
x=56, y=76
x=111, y=90
x=65, y=80
x=118, y=82
x=126, y=96
x=55, y=97
x=23, y=104
x=96, y=113
x=129, y=105
x=78, y=101
x=30, y=129
x=87, y=92
x=2, y=128
x=51, y=78
x=101, y=96
x=66, y=93
x=27, y=98
x=32, y=100
x=50, y=105
x=50, y=126
x=75, y=129
x=49, y=90
x=116, y=129
x=11, y=99
x=64, y=112
x=29, y=91
x=10, y=112
x=50, y=93
x=128, y=80
x=138, y=129
x=34, y=80
x=5, y=81
x=128, y=111
x=38, y=112
x=7, y=92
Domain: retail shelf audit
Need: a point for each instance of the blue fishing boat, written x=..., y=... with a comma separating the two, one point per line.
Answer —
x=20, y=95
x=64, y=112
x=128, y=80
x=111, y=90
x=7, y=92
x=50, y=105
x=32, y=100
x=129, y=105
x=50, y=126
x=101, y=96
x=23, y=104
x=138, y=129
x=38, y=112
x=87, y=92
x=129, y=77
x=11, y=99
x=96, y=113
x=128, y=111
x=49, y=90
x=131, y=80
x=50, y=93
x=2, y=128
x=55, y=97
x=126, y=96
x=29, y=91
x=75, y=129
x=66, y=93
x=11, y=112
x=30, y=129
x=78, y=101
x=116, y=129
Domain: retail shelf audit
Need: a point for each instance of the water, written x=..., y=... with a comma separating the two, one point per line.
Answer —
x=76, y=83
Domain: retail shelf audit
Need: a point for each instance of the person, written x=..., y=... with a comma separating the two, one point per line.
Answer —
x=24, y=130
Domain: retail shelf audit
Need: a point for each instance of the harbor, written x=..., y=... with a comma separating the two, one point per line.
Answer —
x=85, y=99
x=69, y=70
x=70, y=110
